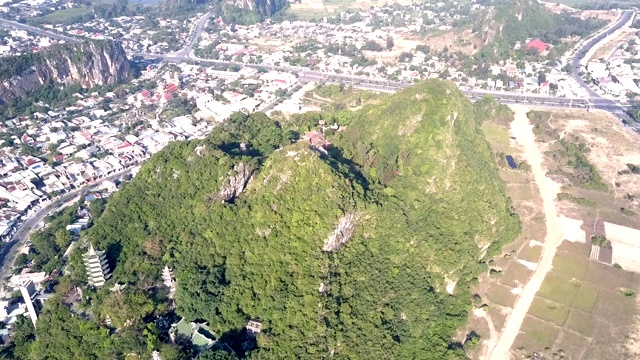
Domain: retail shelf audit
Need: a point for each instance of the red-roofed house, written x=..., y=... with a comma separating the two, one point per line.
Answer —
x=316, y=138
x=171, y=88
x=538, y=45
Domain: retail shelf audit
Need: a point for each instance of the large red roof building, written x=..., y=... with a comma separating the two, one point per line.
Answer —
x=538, y=45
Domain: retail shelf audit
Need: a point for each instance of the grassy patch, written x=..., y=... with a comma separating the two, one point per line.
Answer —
x=570, y=264
x=549, y=311
x=581, y=322
x=530, y=253
x=627, y=212
x=586, y=297
x=536, y=334
x=572, y=343
x=63, y=16
x=500, y=294
x=614, y=308
x=541, y=127
x=559, y=288
x=605, y=276
x=576, y=200
x=515, y=274
x=571, y=156
x=497, y=136
x=331, y=97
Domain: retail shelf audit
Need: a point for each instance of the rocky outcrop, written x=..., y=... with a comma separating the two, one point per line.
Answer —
x=236, y=182
x=342, y=233
x=88, y=64
x=265, y=8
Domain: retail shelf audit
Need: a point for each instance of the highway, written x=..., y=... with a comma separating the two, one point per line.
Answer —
x=603, y=103
x=594, y=101
x=194, y=35
x=7, y=24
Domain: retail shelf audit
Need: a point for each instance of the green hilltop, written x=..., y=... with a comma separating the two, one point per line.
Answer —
x=511, y=21
x=365, y=250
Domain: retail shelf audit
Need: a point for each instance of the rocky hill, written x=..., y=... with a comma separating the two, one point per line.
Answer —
x=506, y=22
x=232, y=11
x=365, y=249
x=89, y=63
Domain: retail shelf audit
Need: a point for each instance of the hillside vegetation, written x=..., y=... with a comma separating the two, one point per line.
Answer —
x=367, y=251
x=511, y=21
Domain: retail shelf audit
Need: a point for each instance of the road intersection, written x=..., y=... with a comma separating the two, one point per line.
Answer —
x=593, y=101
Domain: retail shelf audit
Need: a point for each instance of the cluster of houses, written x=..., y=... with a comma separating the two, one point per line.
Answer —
x=617, y=72
x=216, y=93
x=137, y=33
x=311, y=44
x=17, y=42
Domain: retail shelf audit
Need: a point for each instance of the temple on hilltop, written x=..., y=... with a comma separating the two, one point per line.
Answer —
x=254, y=326
x=167, y=279
x=96, y=265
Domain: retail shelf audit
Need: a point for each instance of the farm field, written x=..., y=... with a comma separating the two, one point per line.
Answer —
x=586, y=308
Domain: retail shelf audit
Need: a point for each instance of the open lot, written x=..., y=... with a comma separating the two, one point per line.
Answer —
x=586, y=308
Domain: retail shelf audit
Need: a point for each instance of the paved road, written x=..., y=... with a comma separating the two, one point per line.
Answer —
x=193, y=37
x=7, y=24
x=10, y=250
x=605, y=103
x=186, y=54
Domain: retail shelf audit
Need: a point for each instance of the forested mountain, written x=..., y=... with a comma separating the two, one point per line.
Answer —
x=509, y=21
x=367, y=250
x=232, y=11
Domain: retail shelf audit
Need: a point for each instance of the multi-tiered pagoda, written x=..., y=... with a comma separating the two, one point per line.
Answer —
x=97, y=267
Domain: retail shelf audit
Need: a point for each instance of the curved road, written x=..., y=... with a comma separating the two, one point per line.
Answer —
x=595, y=100
x=193, y=37
x=8, y=24
x=9, y=251
x=610, y=105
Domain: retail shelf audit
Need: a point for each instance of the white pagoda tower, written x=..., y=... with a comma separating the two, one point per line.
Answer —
x=167, y=279
x=96, y=265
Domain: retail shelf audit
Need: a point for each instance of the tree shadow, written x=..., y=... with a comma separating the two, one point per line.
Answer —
x=240, y=341
x=336, y=154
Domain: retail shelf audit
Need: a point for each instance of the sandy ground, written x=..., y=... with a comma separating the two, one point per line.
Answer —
x=294, y=104
x=612, y=148
x=633, y=338
x=572, y=230
x=522, y=130
x=625, y=242
x=606, y=50
x=600, y=15
x=480, y=313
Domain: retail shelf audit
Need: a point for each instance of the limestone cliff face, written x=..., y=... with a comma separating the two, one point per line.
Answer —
x=89, y=63
x=235, y=183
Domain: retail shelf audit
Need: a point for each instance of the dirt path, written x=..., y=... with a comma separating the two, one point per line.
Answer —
x=523, y=132
x=493, y=334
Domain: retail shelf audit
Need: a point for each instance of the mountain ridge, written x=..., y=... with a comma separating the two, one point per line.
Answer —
x=348, y=251
x=89, y=63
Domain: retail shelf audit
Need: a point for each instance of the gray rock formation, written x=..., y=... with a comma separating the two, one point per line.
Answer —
x=237, y=180
x=88, y=64
x=342, y=233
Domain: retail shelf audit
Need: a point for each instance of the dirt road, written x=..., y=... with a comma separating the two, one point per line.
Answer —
x=523, y=132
